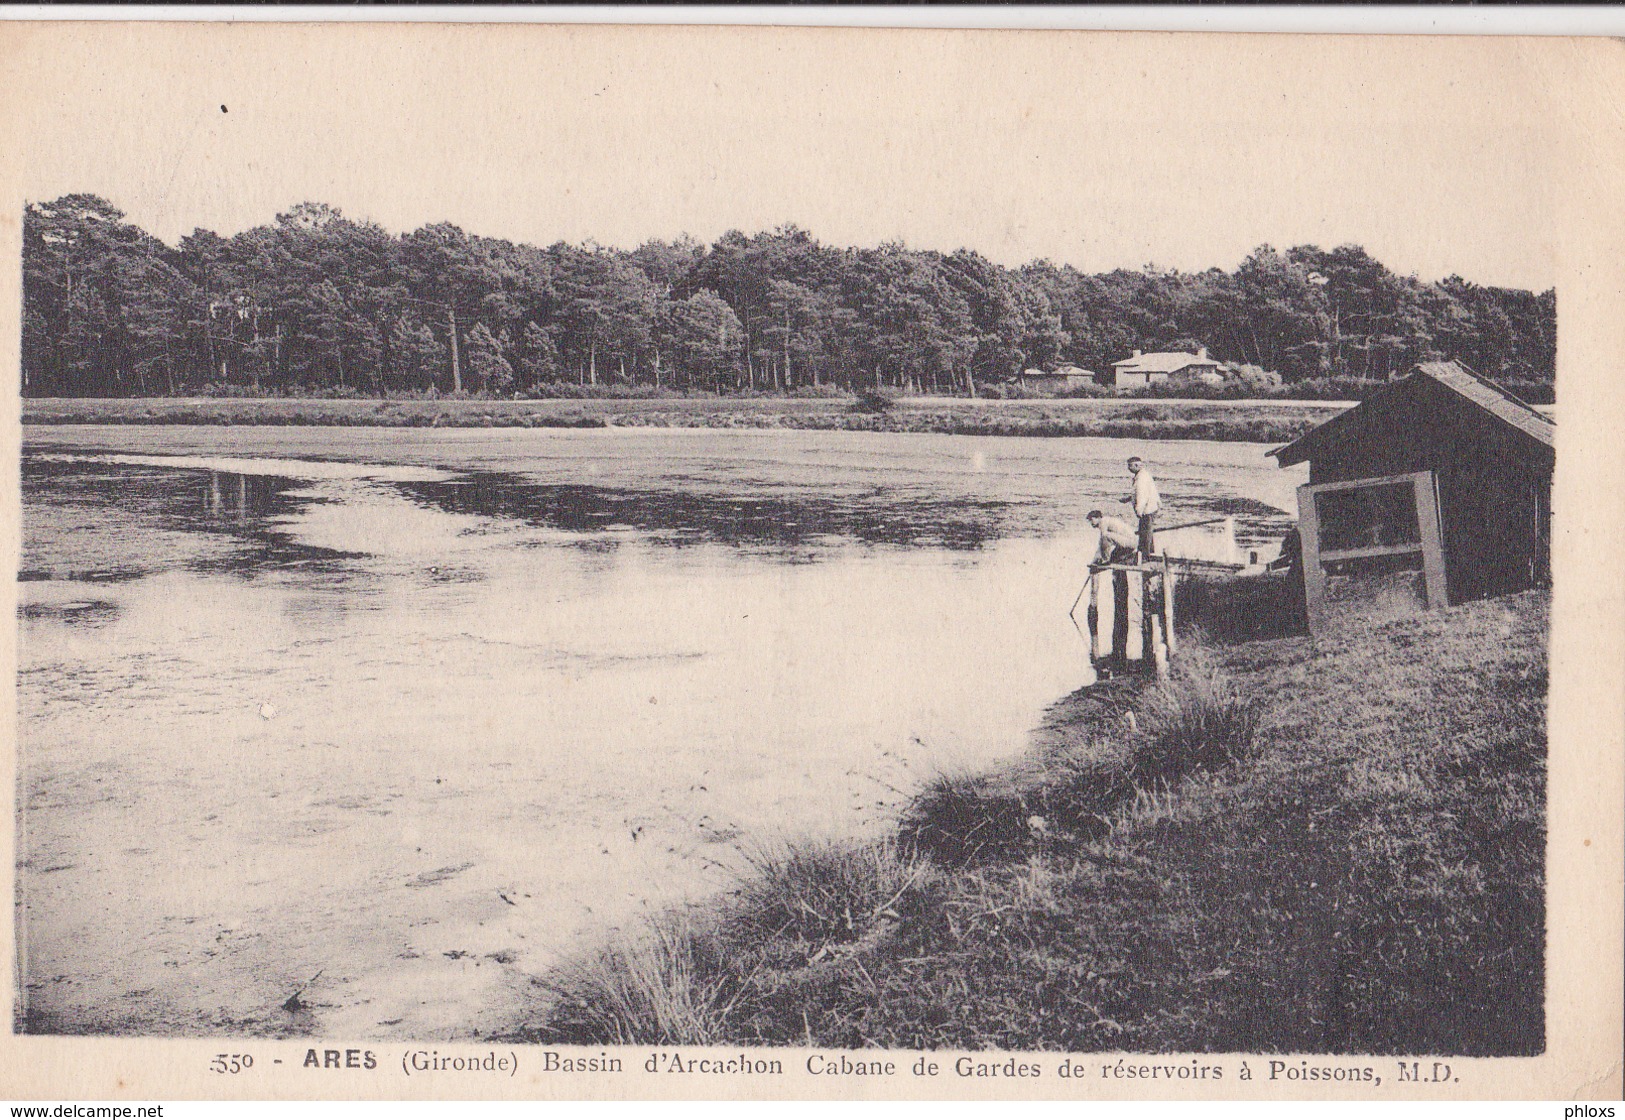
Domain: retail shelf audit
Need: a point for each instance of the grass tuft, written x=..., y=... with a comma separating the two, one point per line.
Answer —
x=656, y=986
x=877, y=399
x=825, y=893
x=960, y=818
x=1197, y=719
x=802, y=915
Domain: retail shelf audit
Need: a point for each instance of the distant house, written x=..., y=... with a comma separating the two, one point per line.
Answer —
x=1434, y=491
x=1166, y=365
x=1058, y=381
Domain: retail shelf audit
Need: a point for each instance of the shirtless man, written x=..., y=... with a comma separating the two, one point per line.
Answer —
x=1117, y=539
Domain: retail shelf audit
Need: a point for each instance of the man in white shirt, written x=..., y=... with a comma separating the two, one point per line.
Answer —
x=1146, y=502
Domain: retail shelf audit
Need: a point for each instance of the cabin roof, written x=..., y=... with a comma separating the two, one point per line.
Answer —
x=1505, y=408
x=1164, y=361
x=1063, y=371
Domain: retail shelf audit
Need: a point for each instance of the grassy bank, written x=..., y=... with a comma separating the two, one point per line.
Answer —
x=1133, y=420
x=1294, y=844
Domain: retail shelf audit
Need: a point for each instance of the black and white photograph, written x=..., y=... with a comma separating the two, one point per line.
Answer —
x=785, y=553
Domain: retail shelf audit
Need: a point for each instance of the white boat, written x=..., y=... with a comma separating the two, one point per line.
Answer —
x=1210, y=542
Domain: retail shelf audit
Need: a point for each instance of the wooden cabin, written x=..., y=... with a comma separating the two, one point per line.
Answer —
x=1059, y=381
x=1434, y=491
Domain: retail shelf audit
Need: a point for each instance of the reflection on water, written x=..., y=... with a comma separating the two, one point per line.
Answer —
x=874, y=516
x=240, y=498
x=86, y=519
x=418, y=731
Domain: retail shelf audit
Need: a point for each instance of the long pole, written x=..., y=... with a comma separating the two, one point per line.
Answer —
x=1083, y=632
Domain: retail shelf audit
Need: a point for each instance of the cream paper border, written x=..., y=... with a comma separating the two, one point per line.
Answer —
x=1576, y=92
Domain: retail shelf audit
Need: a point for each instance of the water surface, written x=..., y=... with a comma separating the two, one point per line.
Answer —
x=393, y=718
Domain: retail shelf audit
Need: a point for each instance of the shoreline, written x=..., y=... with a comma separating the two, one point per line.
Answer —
x=1249, y=422
x=1134, y=880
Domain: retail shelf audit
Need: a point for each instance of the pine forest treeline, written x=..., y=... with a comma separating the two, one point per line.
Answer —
x=317, y=302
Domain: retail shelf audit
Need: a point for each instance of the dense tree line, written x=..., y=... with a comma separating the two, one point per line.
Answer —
x=318, y=301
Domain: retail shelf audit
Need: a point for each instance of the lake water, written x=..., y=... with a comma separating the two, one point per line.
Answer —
x=392, y=718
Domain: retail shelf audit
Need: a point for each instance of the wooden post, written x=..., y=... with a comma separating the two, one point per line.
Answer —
x=1168, y=576
x=1314, y=575
x=1134, y=610
x=1105, y=612
x=1427, y=519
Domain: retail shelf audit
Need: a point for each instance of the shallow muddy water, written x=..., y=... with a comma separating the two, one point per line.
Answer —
x=395, y=717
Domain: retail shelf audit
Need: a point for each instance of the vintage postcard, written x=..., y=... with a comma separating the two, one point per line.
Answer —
x=600, y=562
